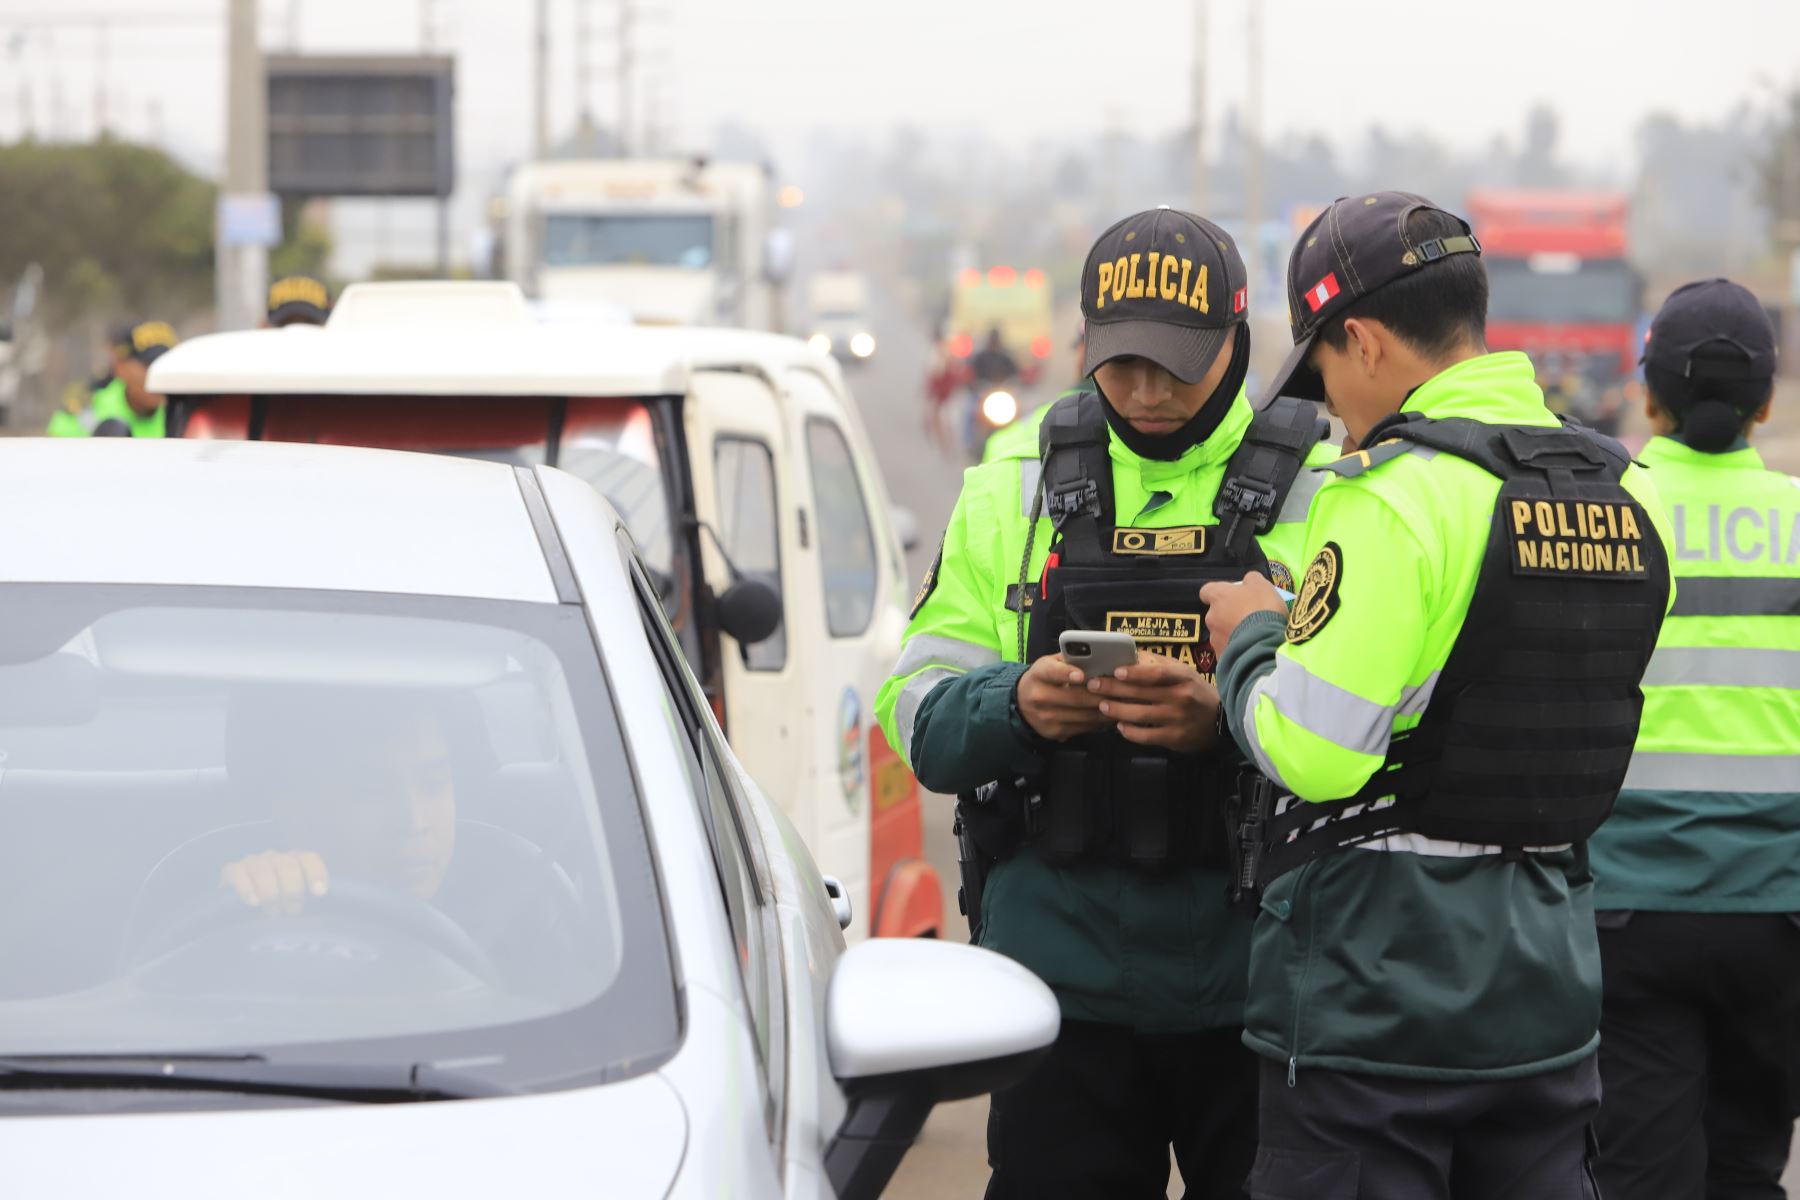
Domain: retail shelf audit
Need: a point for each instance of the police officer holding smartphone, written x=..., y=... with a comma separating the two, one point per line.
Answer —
x=1097, y=803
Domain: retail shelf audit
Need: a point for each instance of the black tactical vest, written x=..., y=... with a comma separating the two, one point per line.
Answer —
x=1099, y=790
x=1533, y=719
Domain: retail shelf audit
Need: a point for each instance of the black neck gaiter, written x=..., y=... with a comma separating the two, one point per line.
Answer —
x=1167, y=447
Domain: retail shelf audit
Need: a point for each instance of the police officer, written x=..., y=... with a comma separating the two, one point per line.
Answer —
x=1102, y=819
x=1447, y=712
x=298, y=300
x=122, y=406
x=1697, y=872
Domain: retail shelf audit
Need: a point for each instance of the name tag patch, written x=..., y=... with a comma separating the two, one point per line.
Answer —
x=1588, y=539
x=1180, y=636
x=1155, y=626
x=1179, y=539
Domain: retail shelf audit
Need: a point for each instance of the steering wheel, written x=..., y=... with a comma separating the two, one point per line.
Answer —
x=348, y=899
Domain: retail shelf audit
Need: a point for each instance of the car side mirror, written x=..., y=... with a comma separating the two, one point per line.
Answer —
x=750, y=611
x=906, y=526
x=911, y=1023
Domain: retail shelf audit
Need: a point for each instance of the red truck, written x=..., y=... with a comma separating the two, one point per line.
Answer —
x=1561, y=290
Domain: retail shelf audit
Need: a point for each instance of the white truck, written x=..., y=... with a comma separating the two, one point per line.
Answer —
x=671, y=241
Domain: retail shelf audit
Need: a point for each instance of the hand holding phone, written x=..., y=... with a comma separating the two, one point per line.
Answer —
x=1097, y=652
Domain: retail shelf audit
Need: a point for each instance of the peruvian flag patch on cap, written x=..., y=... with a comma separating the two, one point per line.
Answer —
x=1321, y=292
x=1239, y=299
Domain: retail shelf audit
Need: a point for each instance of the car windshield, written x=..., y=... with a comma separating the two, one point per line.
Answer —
x=322, y=827
x=656, y=240
x=1604, y=291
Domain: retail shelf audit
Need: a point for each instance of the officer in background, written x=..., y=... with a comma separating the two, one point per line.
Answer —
x=1697, y=872
x=122, y=406
x=298, y=300
x=1447, y=714
x=1101, y=816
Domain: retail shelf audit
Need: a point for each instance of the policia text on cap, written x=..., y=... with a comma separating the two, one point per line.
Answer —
x=1097, y=807
x=1446, y=714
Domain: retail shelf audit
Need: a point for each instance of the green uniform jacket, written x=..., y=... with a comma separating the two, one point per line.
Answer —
x=1154, y=953
x=1709, y=820
x=106, y=404
x=1408, y=956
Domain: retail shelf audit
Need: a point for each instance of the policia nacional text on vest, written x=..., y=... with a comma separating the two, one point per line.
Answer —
x=1530, y=729
x=1100, y=798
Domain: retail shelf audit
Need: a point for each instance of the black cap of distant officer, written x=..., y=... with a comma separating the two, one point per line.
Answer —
x=298, y=300
x=1709, y=361
x=1357, y=246
x=1163, y=285
x=143, y=341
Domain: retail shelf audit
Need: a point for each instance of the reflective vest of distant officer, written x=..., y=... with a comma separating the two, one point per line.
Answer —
x=1448, y=710
x=1697, y=872
x=1104, y=825
x=122, y=406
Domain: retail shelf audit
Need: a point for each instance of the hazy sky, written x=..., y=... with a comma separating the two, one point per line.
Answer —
x=1015, y=68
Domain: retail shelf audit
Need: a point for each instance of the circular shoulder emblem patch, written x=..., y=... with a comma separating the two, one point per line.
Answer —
x=1316, y=599
x=931, y=578
x=1280, y=575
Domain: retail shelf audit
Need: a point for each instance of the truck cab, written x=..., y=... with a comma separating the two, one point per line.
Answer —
x=672, y=241
x=737, y=460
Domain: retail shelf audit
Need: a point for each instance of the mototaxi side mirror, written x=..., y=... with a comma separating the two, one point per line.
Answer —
x=750, y=611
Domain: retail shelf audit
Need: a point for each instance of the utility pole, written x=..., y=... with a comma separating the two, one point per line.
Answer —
x=584, y=34
x=101, y=120
x=1199, y=101
x=243, y=262
x=626, y=67
x=541, y=83
x=1253, y=170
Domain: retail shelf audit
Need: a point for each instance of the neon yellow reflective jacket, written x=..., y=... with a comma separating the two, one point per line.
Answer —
x=1709, y=820
x=1406, y=956
x=1152, y=952
x=107, y=403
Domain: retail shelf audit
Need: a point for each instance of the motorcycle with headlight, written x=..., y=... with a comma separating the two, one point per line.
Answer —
x=992, y=408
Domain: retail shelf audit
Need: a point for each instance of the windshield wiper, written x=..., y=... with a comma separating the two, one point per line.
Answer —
x=246, y=1074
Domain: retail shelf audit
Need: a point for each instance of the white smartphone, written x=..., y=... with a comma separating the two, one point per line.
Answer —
x=1096, y=651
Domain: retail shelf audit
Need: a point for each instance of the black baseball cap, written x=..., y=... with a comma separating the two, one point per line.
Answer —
x=1712, y=312
x=1163, y=285
x=144, y=341
x=1356, y=246
x=298, y=299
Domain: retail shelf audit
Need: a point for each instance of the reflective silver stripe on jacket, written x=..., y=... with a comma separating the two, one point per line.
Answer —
x=930, y=660
x=1030, y=469
x=1739, y=596
x=1343, y=718
x=1263, y=762
x=1723, y=666
x=1300, y=496
x=1763, y=774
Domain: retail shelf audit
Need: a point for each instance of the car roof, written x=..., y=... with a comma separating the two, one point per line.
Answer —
x=266, y=514
x=380, y=349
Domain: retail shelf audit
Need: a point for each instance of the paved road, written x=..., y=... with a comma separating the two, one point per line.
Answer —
x=950, y=1158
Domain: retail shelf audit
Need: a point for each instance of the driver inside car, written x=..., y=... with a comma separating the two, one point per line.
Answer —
x=360, y=792
x=379, y=807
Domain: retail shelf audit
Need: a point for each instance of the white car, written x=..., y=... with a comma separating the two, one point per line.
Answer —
x=738, y=461
x=362, y=834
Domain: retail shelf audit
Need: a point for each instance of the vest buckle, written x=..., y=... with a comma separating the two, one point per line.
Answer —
x=1080, y=496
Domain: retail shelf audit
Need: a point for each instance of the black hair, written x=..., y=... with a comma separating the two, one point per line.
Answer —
x=1710, y=414
x=1436, y=308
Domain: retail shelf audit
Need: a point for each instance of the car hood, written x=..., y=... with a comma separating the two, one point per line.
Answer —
x=652, y=295
x=626, y=1139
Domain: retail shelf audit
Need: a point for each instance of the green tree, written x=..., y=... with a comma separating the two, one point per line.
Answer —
x=119, y=228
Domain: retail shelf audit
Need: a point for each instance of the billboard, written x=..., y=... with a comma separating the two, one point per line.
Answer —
x=361, y=125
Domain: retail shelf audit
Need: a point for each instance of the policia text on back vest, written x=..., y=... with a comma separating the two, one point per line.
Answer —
x=1100, y=798
x=1529, y=731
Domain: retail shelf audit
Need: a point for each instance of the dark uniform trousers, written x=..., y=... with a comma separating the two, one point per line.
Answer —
x=1333, y=1135
x=1096, y=1119
x=1696, y=1054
